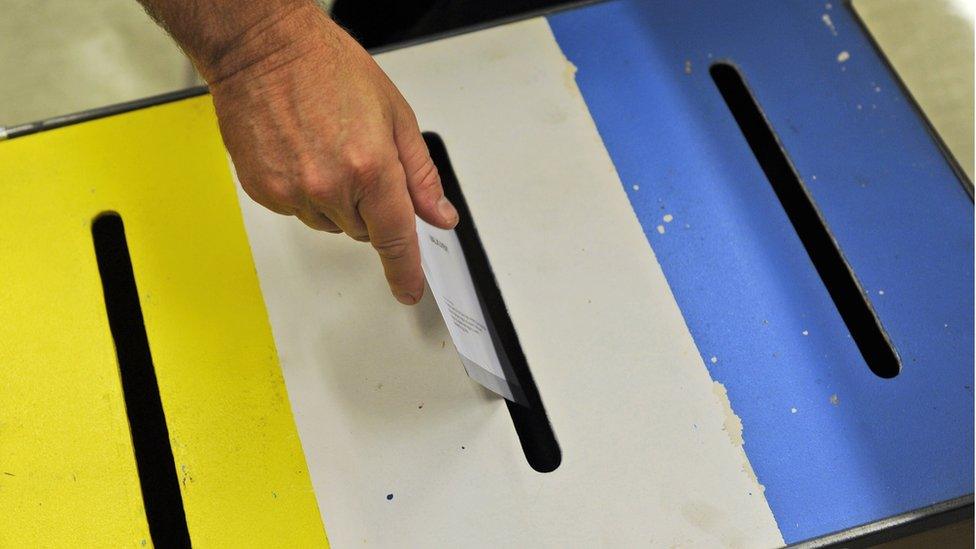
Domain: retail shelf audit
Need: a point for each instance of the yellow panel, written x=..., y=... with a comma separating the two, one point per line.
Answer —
x=67, y=471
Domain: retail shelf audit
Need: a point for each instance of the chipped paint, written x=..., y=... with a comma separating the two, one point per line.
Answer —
x=569, y=77
x=732, y=426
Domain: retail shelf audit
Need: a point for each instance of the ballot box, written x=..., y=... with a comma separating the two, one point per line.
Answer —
x=737, y=262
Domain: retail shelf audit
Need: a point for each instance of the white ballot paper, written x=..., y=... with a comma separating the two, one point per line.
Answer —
x=450, y=282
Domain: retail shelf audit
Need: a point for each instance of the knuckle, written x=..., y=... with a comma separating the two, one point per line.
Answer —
x=269, y=196
x=364, y=167
x=369, y=164
x=427, y=177
x=323, y=193
x=324, y=223
x=278, y=192
x=393, y=249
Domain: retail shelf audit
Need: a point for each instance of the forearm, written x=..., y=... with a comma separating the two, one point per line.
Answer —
x=223, y=37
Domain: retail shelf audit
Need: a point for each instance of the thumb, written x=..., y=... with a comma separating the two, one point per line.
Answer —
x=423, y=179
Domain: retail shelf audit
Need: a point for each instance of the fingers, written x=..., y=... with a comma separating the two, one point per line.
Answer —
x=389, y=215
x=423, y=179
x=318, y=221
x=333, y=197
x=365, y=192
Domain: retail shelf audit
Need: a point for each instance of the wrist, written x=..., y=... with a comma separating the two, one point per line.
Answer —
x=269, y=38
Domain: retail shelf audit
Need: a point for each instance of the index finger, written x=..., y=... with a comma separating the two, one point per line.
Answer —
x=388, y=212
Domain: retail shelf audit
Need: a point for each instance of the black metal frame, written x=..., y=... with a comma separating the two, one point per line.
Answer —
x=866, y=535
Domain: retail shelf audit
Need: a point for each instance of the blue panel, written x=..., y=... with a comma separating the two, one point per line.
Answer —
x=834, y=445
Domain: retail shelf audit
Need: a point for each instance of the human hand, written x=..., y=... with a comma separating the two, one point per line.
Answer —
x=318, y=131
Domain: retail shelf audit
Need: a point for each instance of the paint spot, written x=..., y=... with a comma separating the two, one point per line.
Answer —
x=732, y=426
x=569, y=77
x=660, y=229
x=668, y=218
x=830, y=24
x=687, y=67
x=421, y=406
x=859, y=106
x=389, y=497
x=834, y=400
x=443, y=344
x=793, y=410
x=186, y=475
x=274, y=495
x=806, y=332
x=714, y=359
x=828, y=5
x=813, y=177
x=843, y=56
x=880, y=292
x=877, y=89
x=636, y=187
x=463, y=448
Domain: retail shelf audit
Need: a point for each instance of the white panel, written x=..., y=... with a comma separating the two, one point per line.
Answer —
x=384, y=407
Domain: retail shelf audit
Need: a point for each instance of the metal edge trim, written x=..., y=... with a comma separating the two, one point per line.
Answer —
x=897, y=526
x=99, y=112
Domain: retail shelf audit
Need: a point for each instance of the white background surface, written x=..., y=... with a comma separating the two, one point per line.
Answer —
x=381, y=404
